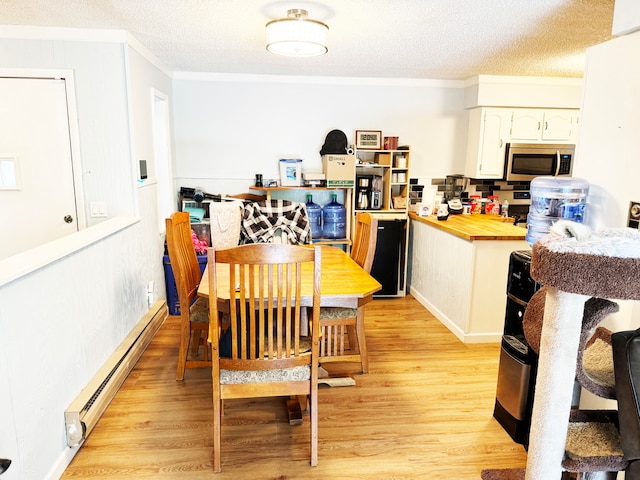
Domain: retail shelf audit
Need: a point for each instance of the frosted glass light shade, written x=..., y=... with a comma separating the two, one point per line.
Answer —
x=297, y=36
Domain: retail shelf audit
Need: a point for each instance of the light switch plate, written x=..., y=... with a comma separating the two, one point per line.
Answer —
x=98, y=209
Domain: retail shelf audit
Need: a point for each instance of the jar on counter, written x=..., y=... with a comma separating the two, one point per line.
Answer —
x=493, y=207
x=475, y=203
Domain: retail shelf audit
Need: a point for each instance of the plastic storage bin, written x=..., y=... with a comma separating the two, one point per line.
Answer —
x=334, y=216
x=553, y=199
x=314, y=212
x=173, y=304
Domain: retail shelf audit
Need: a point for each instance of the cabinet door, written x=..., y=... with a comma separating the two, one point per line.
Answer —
x=558, y=125
x=495, y=134
x=526, y=124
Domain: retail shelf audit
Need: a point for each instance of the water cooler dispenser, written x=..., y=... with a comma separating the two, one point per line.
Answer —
x=518, y=362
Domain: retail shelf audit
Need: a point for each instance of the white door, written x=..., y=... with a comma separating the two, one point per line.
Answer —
x=37, y=195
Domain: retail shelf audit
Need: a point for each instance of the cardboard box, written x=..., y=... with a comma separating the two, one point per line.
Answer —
x=339, y=170
x=291, y=173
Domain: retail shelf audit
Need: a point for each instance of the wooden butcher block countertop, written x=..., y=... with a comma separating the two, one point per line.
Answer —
x=475, y=227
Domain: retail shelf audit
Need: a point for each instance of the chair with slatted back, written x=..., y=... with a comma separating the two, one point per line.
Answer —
x=194, y=319
x=263, y=353
x=342, y=336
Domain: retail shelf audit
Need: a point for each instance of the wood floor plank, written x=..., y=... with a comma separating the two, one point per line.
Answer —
x=423, y=412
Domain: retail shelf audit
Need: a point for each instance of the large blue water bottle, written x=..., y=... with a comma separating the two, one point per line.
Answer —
x=553, y=199
x=334, y=216
x=314, y=212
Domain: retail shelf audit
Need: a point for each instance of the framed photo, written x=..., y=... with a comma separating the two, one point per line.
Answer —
x=368, y=139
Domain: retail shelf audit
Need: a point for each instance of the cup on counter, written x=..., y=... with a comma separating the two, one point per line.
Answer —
x=466, y=209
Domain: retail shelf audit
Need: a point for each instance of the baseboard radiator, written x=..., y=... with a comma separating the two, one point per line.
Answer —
x=83, y=414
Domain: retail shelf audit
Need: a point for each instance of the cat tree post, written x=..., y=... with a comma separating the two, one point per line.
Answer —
x=559, y=342
x=603, y=265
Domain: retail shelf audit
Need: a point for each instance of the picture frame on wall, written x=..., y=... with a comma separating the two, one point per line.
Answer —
x=368, y=139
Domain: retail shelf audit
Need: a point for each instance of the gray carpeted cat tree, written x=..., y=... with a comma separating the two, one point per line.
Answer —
x=575, y=264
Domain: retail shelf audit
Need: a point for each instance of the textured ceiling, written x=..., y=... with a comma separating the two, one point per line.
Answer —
x=427, y=39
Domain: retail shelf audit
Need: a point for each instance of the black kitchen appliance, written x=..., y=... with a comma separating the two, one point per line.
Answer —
x=369, y=192
x=389, y=259
x=518, y=362
x=377, y=187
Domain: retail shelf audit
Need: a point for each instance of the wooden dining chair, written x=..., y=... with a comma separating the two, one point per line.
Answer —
x=342, y=337
x=194, y=310
x=263, y=353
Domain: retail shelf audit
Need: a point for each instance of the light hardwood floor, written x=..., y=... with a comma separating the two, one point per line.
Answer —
x=423, y=412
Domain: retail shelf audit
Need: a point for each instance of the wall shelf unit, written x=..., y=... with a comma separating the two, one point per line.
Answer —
x=393, y=167
x=298, y=194
x=390, y=262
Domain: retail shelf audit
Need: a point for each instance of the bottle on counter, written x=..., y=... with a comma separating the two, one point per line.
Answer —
x=505, y=209
x=493, y=207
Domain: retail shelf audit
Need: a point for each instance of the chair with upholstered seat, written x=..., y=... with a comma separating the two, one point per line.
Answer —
x=342, y=336
x=194, y=318
x=263, y=353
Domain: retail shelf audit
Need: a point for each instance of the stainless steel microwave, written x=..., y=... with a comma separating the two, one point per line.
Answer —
x=525, y=161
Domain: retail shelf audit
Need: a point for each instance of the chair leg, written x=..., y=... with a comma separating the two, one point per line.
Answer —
x=362, y=343
x=185, y=335
x=313, y=407
x=196, y=340
x=217, y=427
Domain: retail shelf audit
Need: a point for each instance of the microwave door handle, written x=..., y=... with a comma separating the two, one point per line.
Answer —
x=556, y=168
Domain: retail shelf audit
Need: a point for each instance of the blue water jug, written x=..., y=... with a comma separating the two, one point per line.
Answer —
x=553, y=199
x=334, y=216
x=314, y=212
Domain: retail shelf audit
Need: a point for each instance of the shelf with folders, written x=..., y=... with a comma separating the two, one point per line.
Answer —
x=321, y=195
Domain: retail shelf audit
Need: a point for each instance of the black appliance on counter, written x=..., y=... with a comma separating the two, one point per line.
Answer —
x=518, y=362
x=369, y=192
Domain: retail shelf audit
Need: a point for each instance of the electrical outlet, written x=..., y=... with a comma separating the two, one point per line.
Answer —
x=150, y=295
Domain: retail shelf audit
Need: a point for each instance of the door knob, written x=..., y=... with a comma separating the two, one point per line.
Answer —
x=68, y=218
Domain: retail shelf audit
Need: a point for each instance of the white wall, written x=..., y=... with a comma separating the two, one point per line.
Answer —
x=608, y=144
x=607, y=152
x=228, y=128
x=59, y=323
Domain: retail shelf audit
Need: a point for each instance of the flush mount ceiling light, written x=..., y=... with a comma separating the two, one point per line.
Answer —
x=297, y=35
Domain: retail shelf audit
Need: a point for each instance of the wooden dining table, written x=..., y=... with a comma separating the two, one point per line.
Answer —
x=343, y=283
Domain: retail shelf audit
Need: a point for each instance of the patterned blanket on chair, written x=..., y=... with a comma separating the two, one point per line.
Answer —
x=275, y=221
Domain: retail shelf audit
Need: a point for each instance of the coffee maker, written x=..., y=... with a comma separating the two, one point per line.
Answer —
x=375, y=199
x=363, y=192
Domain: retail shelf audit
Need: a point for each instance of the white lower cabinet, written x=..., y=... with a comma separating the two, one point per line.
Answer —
x=462, y=283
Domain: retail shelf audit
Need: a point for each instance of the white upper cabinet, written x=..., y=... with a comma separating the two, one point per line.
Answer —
x=544, y=125
x=490, y=129
x=487, y=142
